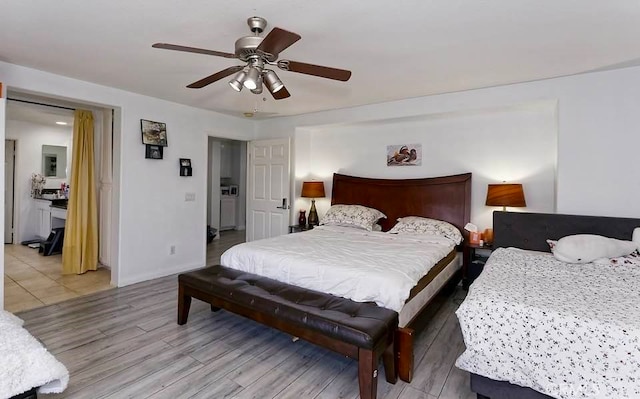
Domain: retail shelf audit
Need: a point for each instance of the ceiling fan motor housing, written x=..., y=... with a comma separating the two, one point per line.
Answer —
x=257, y=24
x=246, y=46
x=246, y=49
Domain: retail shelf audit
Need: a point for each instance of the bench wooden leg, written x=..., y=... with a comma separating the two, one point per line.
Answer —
x=367, y=374
x=184, y=304
x=214, y=309
x=404, y=353
x=389, y=361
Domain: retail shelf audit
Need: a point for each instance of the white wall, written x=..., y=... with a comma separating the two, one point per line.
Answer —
x=150, y=212
x=3, y=105
x=29, y=140
x=214, y=179
x=597, y=119
x=514, y=144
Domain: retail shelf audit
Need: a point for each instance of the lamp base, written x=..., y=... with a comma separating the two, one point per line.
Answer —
x=313, y=215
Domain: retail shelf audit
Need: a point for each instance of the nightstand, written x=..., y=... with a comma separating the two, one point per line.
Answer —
x=473, y=262
x=297, y=228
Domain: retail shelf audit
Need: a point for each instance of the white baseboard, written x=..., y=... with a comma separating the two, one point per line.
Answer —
x=157, y=274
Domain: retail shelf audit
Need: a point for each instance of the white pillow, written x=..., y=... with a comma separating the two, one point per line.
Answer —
x=352, y=216
x=420, y=225
x=586, y=248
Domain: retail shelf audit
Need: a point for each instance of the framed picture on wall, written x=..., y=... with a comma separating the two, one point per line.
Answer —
x=153, y=152
x=153, y=133
x=404, y=155
x=185, y=167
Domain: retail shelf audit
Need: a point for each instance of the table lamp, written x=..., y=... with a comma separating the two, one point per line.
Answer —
x=505, y=195
x=313, y=190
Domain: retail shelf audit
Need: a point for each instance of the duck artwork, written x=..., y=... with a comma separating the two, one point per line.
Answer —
x=403, y=155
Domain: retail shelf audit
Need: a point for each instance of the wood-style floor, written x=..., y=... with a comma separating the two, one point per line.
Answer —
x=125, y=343
x=228, y=239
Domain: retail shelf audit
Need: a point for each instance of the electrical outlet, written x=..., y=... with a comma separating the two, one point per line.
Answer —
x=172, y=250
x=189, y=197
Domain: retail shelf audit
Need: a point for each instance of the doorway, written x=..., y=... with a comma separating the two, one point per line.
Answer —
x=40, y=127
x=226, y=194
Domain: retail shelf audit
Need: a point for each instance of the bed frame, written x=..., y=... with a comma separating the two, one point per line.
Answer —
x=444, y=198
x=530, y=231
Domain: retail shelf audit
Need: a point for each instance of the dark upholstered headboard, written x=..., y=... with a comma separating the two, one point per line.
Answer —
x=445, y=198
x=531, y=230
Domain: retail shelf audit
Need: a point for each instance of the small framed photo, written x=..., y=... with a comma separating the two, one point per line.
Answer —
x=153, y=133
x=185, y=167
x=153, y=151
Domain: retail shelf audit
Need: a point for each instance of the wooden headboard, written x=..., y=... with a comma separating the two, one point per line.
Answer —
x=445, y=198
x=531, y=230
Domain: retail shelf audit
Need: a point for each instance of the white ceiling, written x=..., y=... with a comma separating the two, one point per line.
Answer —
x=395, y=49
x=42, y=115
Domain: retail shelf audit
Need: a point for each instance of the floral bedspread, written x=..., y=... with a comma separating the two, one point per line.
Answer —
x=565, y=330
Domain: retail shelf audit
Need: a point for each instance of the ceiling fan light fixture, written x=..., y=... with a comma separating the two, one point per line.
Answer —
x=251, y=82
x=258, y=52
x=258, y=89
x=273, y=81
x=237, y=82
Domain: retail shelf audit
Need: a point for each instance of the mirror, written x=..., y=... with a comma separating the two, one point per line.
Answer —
x=54, y=161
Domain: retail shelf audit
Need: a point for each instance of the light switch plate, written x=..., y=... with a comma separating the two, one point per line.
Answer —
x=190, y=197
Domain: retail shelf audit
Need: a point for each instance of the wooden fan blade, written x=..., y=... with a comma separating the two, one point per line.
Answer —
x=280, y=94
x=277, y=40
x=315, y=70
x=167, y=46
x=215, y=77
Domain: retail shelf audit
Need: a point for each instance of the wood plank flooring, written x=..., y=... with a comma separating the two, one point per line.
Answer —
x=125, y=343
x=228, y=238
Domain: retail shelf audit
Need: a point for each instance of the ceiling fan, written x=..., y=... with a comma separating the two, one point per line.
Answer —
x=259, y=53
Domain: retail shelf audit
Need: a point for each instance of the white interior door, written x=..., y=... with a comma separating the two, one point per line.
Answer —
x=268, y=194
x=9, y=165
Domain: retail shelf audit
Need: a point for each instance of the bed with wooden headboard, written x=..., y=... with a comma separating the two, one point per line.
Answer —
x=444, y=198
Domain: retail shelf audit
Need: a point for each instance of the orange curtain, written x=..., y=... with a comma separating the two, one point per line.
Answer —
x=80, y=249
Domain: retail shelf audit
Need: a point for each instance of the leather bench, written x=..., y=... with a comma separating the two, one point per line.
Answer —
x=362, y=331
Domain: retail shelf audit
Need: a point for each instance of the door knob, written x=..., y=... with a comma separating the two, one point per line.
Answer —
x=284, y=204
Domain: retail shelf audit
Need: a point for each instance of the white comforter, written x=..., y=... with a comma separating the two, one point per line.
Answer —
x=569, y=331
x=355, y=264
x=25, y=363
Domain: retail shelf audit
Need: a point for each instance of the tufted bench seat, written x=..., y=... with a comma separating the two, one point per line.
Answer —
x=362, y=331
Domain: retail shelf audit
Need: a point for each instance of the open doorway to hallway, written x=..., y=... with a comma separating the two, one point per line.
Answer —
x=42, y=131
x=226, y=195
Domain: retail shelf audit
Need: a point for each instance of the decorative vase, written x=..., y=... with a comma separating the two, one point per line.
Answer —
x=313, y=215
x=302, y=219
